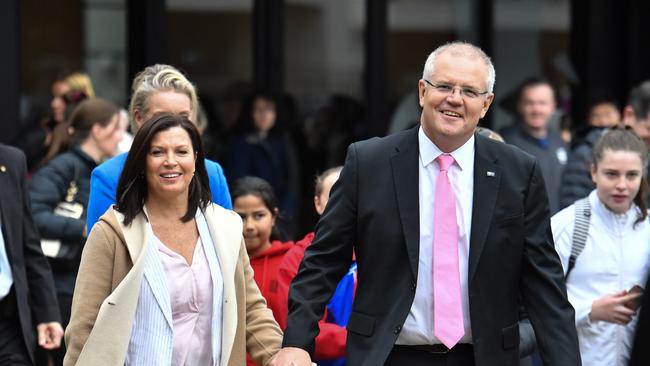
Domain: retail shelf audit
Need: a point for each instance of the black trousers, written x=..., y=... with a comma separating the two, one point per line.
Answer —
x=12, y=344
x=461, y=355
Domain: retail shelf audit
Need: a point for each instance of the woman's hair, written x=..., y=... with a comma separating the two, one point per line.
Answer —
x=75, y=130
x=132, y=189
x=318, y=182
x=625, y=139
x=78, y=82
x=261, y=189
x=87, y=114
x=246, y=122
x=158, y=78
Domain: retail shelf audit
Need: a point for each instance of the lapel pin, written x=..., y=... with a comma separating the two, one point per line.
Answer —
x=490, y=174
x=3, y=168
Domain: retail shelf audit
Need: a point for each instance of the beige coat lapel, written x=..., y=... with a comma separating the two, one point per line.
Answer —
x=109, y=339
x=226, y=232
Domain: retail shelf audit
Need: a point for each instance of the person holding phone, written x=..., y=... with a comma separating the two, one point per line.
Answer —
x=604, y=280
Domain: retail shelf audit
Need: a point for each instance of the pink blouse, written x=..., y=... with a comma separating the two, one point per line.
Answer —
x=190, y=290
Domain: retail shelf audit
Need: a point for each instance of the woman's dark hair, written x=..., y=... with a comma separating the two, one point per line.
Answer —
x=246, y=123
x=623, y=138
x=261, y=189
x=132, y=189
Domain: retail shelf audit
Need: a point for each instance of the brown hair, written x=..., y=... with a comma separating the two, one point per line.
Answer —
x=87, y=114
x=132, y=190
x=623, y=138
x=73, y=132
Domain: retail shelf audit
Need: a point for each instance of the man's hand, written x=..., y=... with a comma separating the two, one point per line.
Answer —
x=613, y=308
x=291, y=356
x=49, y=335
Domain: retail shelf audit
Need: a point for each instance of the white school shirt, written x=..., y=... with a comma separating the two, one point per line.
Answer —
x=616, y=257
x=418, y=327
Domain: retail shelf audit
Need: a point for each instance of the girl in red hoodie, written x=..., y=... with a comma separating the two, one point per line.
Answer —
x=253, y=199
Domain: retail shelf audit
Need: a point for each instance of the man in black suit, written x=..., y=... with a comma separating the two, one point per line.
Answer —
x=383, y=209
x=27, y=295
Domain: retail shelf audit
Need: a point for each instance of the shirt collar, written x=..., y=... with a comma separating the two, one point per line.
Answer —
x=464, y=155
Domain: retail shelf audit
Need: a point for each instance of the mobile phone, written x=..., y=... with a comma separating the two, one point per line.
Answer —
x=635, y=303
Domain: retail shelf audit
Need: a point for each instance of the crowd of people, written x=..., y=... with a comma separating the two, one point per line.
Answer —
x=126, y=242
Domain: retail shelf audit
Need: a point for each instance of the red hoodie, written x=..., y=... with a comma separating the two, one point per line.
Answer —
x=265, y=265
x=330, y=342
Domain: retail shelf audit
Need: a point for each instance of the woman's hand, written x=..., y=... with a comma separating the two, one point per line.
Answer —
x=613, y=309
x=291, y=356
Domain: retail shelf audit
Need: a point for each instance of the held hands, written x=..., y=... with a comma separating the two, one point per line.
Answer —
x=291, y=356
x=618, y=308
x=49, y=335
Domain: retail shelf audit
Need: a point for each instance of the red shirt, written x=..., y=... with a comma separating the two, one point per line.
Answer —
x=330, y=342
x=265, y=265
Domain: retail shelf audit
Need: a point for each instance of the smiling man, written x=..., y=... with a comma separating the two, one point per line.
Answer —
x=448, y=228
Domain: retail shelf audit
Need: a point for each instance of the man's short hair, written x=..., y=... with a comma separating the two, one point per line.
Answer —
x=639, y=100
x=532, y=82
x=463, y=49
x=158, y=78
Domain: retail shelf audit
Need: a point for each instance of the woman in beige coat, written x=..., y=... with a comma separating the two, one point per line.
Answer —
x=164, y=276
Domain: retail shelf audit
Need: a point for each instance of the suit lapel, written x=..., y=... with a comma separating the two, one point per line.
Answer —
x=487, y=175
x=10, y=195
x=404, y=163
x=7, y=196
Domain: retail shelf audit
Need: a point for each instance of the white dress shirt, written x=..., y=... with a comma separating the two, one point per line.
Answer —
x=6, y=278
x=616, y=257
x=418, y=327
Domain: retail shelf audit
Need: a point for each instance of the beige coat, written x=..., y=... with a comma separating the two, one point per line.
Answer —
x=108, y=286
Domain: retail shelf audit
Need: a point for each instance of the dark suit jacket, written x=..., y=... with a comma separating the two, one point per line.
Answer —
x=33, y=284
x=374, y=210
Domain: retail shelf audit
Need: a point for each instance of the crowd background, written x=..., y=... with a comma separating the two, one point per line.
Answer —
x=283, y=102
x=340, y=70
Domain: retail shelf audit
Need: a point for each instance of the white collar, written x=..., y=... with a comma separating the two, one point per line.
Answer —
x=429, y=152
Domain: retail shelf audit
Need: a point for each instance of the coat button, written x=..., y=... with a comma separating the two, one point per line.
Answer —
x=398, y=329
x=413, y=286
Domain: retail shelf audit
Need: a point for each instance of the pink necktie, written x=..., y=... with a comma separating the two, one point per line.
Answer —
x=448, y=312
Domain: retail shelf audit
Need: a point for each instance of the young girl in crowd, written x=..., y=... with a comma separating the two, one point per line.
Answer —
x=604, y=280
x=330, y=342
x=254, y=200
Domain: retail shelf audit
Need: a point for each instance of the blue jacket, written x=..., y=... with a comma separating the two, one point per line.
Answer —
x=104, y=178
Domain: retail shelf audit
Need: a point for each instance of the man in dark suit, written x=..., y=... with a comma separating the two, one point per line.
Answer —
x=27, y=295
x=451, y=234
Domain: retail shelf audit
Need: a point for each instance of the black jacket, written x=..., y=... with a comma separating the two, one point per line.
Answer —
x=49, y=187
x=373, y=212
x=32, y=278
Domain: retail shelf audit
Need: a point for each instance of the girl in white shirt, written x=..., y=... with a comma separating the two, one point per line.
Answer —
x=604, y=286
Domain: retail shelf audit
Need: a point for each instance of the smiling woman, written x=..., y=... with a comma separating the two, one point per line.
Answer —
x=173, y=262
